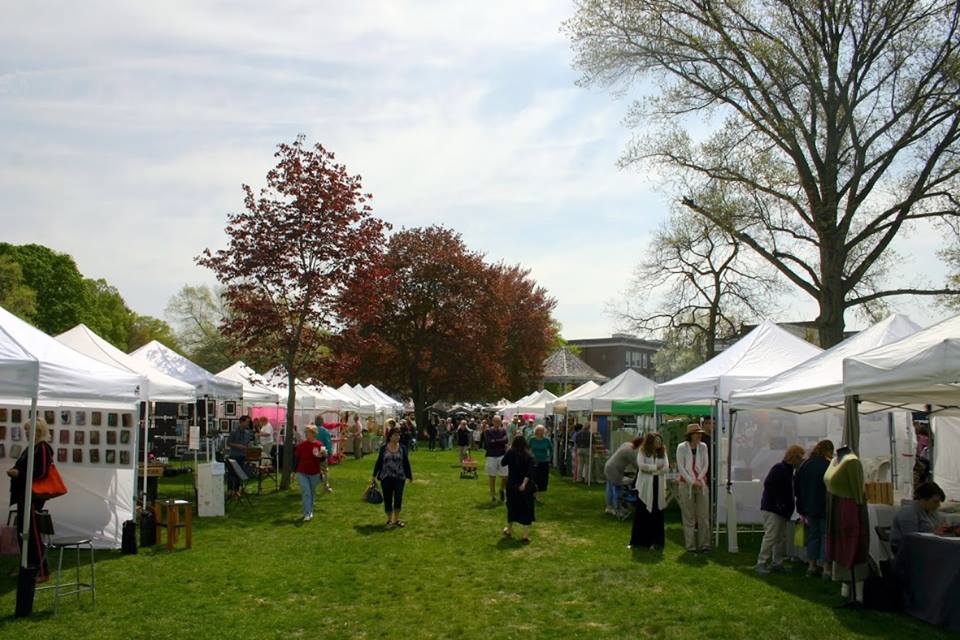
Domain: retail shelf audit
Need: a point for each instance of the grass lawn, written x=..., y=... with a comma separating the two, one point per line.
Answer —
x=263, y=573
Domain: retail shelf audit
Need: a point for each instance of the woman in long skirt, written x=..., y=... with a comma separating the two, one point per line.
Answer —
x=647, y=532
x=520, y=487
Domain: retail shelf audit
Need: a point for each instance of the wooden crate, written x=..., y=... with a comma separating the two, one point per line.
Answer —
x=879, y=492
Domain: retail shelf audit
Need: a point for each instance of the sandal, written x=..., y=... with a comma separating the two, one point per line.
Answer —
x=507, y=532
x=525, y=541
x=400, y=523
x=390, y=524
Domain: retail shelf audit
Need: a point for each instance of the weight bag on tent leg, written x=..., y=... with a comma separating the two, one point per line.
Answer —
x=148, y=529
x=26, y=590
x=129, y=540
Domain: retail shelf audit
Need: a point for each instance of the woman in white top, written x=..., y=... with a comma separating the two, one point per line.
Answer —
x=651, y=489
x=693, y=462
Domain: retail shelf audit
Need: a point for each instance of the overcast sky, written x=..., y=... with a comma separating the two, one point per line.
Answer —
x=127, y=129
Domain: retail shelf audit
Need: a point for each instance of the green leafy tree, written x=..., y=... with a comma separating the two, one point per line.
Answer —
x=15, y=295
x=196, y=314
x=61, y=295
x=143, y=329
x=106, y=313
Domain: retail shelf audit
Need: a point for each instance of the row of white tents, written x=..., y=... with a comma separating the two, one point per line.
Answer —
x=78, y=372
x=771, y=377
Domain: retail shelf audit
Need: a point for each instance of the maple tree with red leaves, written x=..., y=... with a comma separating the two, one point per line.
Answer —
x=291, y=252
x=431, y=320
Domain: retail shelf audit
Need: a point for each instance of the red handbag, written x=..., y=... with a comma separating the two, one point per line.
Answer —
x=49, y=486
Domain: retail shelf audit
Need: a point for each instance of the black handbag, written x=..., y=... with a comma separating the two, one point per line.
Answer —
x=128, y=543
x=372, y=494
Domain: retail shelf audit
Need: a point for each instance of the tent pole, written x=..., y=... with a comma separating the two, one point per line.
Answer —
x=733, y=545
x=590, y=451
x=894, y=476
x=146, y=426
x=28, y=481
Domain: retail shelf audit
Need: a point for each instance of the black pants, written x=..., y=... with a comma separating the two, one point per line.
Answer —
x=648, y=525
x=541, y=475
x=433, y=441
x=36, y=550
x=392, y=494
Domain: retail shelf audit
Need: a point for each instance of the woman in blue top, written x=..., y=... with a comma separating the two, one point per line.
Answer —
x=542, y=449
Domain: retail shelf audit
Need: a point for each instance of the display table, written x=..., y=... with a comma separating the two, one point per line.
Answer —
x=929, y=568
x=154, y=473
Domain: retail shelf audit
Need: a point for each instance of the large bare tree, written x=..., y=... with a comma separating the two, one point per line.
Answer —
x=695, y=285
x=834, y=124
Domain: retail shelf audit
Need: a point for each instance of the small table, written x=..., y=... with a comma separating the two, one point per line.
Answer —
x=172, y=521
x=929, y=568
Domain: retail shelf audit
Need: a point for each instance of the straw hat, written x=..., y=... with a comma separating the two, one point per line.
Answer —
x=694, y=428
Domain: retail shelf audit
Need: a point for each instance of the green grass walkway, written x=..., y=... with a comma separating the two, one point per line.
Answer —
x=262, y=573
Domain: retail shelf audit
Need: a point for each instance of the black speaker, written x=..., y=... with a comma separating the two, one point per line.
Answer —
x=128, y=544
x=148, y=529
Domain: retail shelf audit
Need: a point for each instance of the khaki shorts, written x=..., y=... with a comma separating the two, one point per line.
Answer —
x=493, y=468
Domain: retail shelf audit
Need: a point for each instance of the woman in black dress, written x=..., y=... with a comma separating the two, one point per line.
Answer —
x=43, y=458
x=520, y=487
x=652, y=464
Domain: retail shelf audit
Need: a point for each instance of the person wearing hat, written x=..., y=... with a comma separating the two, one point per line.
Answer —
x=693, y=463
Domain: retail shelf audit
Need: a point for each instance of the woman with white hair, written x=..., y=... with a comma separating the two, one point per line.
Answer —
x=542, y=449
x=42, y=461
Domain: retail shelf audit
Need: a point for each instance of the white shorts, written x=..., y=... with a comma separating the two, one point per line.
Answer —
x=493, y=468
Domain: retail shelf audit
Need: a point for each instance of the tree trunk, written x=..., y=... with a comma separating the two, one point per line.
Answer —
x=419, y=403
x=830, y=323
x=287, y=462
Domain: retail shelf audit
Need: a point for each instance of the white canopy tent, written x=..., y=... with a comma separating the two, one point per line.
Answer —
x=537, y=404
x=173, y=364
x=395, y=405
x=921, y=369
x=508, y=410
x=39, y=372
x=562, y=403
x=159, y=387
x=764, y=352
x=626, y=386
x=255, y=389
x=362, y=405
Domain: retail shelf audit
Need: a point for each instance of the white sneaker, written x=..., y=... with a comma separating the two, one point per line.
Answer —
x=610, y=510
x=308, y=517
x=327, y=490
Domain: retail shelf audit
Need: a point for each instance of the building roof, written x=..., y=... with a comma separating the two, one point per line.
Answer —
x=618, y=339
x=564, y=366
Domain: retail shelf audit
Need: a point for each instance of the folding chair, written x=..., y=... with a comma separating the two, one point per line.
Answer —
x=261, y=467
x=242, y=478
x=54, y=542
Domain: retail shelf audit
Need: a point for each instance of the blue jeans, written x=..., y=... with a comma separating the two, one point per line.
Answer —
x=392, y=494
x=613, y=494
x=308, y=487
x=816, y=539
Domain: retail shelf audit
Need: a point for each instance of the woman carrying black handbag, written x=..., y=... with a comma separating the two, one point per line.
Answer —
x=392, y=470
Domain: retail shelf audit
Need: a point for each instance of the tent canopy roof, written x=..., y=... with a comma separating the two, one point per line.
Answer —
x=923, y=368
x=560, y=404
x=255, y=389
x=764, y=352
x=627, y=385
x=33, y=363
x=160, y=387
x=173, y=364
x=817, y=384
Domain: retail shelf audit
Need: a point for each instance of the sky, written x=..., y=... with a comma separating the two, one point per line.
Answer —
x=128, y=128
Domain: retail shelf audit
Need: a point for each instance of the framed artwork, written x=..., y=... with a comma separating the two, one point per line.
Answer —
x=234, y=424
x=126, y=420
x=3, y=433
x=111, y=456
x=78, y=456
x=230, y=408
x=62, y=454
x=211, y=408
x=78, y=437
x=3, y=414
x=125, y=457
x=16, y=433
x=96, y=418
x=183, y=410
x=3, y=450
x=15, y=451
x=94, y=456
x=95, y=437
x=50, y=417
x=64, y=436
x=112, y=420
x=224, y=425
x=124, y=437
x=65, y=417
x=111, y=437
x=16, y=416
x=80, y=419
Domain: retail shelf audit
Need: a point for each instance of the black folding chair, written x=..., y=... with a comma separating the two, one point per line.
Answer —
x=242, y=480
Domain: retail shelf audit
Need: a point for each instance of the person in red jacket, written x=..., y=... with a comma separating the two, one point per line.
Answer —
x=308, y=456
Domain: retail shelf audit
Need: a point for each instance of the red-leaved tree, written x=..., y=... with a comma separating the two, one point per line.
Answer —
x=433, y=321
x=291, y=252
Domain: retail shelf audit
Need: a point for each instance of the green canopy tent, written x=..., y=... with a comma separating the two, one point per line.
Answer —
x=648, y=406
